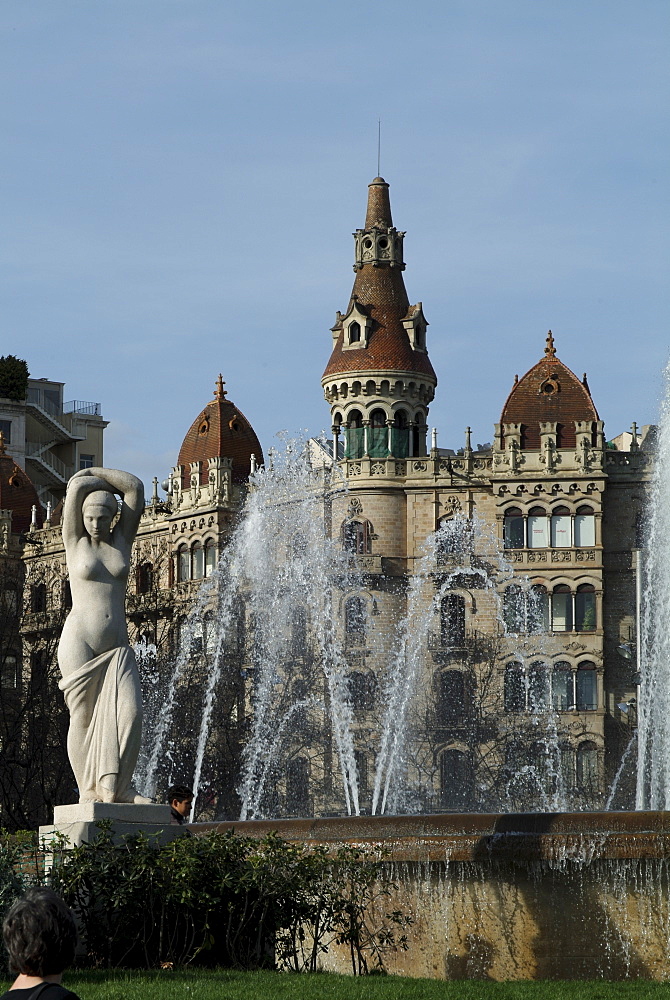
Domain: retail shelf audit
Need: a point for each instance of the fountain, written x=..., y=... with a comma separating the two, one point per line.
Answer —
x=494, y=893
x=268, y=642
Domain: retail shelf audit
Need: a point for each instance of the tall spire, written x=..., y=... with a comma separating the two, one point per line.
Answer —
x=379, y=205
x=380, y=330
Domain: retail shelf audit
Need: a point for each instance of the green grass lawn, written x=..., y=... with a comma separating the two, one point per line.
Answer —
x=204, y=985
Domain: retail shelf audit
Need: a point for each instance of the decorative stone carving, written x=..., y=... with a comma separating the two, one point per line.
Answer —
x=100, y=679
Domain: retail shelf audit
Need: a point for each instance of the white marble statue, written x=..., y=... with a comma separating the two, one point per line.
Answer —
x=100, y=679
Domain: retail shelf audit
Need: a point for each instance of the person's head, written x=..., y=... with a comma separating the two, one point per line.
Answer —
x=40, y=934
x=99, y=510
x=180, y=797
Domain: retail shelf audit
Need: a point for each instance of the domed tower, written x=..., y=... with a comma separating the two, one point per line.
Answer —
x=379, y=381
x=20, y=507
x=549, y=410
x=219, y=451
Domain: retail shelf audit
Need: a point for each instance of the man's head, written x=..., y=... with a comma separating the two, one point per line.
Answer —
x=40, y=934
x=180, y=798
x=99, y=510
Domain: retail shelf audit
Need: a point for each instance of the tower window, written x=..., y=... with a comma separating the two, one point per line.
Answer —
x=452, y=620
x=356, y=537
x=354, y=333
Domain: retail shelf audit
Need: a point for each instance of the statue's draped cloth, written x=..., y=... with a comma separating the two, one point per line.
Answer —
x=104, y=700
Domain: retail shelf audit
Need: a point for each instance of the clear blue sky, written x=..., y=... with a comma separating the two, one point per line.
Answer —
x=180, y=180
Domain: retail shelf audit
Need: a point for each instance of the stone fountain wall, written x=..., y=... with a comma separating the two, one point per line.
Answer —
x=502, y=897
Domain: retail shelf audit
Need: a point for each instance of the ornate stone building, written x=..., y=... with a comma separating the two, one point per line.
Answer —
x=522, y=606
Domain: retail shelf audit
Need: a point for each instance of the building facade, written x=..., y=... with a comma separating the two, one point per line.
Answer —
x=513, y=569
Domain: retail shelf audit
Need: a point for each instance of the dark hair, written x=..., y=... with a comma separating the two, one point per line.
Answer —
x=179, y=792
x=40, y=934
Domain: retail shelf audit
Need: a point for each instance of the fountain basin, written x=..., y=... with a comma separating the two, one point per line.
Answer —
x=513, y=896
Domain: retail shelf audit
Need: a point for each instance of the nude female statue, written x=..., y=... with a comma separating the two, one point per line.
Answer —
x=100, y=679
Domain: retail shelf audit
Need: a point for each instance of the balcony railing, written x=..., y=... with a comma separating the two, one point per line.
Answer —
x=38, y=452
x=81, y=406
x=469, y=640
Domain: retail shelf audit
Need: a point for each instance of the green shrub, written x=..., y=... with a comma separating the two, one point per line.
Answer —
x=225, y=900
x=13, y=377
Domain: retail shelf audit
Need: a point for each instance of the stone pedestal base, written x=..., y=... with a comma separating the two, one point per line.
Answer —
x=77, y=822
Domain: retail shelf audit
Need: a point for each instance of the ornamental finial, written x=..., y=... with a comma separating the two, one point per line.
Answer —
x=220, y=392
x=550, y=350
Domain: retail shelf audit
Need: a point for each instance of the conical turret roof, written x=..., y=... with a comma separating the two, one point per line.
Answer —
x=379, y=292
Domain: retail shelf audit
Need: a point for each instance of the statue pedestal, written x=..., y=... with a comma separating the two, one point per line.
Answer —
x=77, y=822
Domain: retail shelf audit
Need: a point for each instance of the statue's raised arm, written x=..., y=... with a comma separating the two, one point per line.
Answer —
x=94, y=489
x=99, y=673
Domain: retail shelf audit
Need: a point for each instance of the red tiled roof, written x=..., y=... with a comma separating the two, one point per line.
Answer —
x=549, y=392
x=380, y=292
x=17, y=493
x=221, y=431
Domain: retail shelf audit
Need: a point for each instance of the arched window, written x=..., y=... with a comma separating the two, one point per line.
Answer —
x=400, y=434
x=537, y=606
x=587, y=767
x=452, y=620
x=38, y=598
x=9, y=675
x=356, y=536
x=210, y=556
x=514, y=529
x=378, y=437
x=297, y=787
x=183, y=564
x=515, y=688
x=514, y=609
x=585, y=608
x=561, y=609
x=145, y=578
x=587, y=687
x=354, y=435
x=585, y=527
x=354, y=333
x=362, y=690
x=561, y=528
x=198, y=561
x=355, y=621
x=538, y=528
x=298, y=631
x=456, y=780
x=538, y=687
x=562, y=693
x=451, y=698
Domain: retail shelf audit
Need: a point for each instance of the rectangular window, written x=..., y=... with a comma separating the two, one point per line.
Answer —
x=561, y=612
x=587, y=699
x=86, y=461
x=561, y=690
x=514, y=532
x=585, y=530
x=538, y=531
x=6, y=428
x=560, y=531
